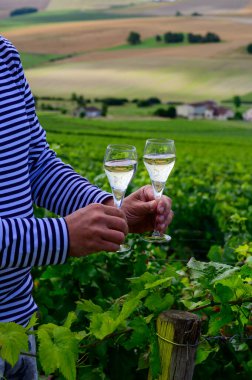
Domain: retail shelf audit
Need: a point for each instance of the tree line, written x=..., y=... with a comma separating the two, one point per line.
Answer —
x=134, y=38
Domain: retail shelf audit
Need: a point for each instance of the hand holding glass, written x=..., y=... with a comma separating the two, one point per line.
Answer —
x=120, y=164
x=159, y=159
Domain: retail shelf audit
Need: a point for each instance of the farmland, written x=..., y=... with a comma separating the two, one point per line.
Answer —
x=179, y=73
x=207, y=140
x=90, y=4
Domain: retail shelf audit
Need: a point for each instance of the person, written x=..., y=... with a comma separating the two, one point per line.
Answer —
x=31, y=173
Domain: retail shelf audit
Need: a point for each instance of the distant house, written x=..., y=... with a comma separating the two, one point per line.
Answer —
x=89, y=112
x=248, y=115
x=92, y=112
x=194, y=110
x=219, y=113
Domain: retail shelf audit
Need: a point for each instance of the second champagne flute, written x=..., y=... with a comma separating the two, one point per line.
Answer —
x=159, y=159
x=120, y=162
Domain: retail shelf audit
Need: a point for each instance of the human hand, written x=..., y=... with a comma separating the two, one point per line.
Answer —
x=144, y=213
x=96, y=228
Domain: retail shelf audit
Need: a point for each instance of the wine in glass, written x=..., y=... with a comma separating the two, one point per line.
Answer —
x=159, y=159
x=120, y=163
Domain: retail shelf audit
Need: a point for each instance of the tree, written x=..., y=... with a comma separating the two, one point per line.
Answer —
x=237, y=101
x=172, y=112
x=211, y=37
x=74, y=97
x=22, y=11
x=158, y=38
x=173, y=37
x=104, y=110
x=238, y=116
x=134, y=38
x=249, y=48
x=81, y=101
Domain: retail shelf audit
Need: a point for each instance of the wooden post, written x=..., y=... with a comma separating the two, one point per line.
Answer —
x=178, y=334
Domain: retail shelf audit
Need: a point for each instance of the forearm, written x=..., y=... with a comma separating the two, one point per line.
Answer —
x=26, y=242
x=58, y=188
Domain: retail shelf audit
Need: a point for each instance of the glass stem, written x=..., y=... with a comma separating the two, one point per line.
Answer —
x=157, y=195
x=118, y=202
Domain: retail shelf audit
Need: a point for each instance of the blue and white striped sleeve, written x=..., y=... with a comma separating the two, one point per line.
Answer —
x=27, y=242
x=55, y=185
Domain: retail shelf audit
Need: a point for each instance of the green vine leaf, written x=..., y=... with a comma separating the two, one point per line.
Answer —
x=71, y=318
x=156, y=303
x=58, y=349
x=88, y=306
x=220, y=319
x=33, y=322
x=210, y=272
x=140, y=335
x=13, y=340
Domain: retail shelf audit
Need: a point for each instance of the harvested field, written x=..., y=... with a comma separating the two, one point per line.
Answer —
x=247, y=10
x=173, y=79
x=183, y=72
x=89, y=4
x=85, y=37
x=187, y=7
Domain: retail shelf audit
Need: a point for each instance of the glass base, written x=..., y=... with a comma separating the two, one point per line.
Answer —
x=157, y=238
x=124, y=248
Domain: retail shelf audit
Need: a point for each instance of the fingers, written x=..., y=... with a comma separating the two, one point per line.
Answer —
x=118, y=224
x=147, y=192
x=164, y=205
x=115, y=237
x=164, y=214
x=95, y=228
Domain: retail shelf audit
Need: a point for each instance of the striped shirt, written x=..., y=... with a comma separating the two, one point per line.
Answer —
x=30, y=173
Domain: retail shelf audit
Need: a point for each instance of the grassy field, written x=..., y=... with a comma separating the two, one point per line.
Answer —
x=205, y=140
x=179, y=80
x=30, y=60
x=60, y=16
x=150, y=43
x=82, y=143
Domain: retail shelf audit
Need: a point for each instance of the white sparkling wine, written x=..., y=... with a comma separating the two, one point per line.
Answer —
x=120, y=173
x=159, y=167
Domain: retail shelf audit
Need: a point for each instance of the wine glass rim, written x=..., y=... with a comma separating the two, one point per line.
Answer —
x=160, y=141
x=122, y=147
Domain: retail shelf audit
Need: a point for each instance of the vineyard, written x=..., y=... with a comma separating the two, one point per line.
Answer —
x=97, y=315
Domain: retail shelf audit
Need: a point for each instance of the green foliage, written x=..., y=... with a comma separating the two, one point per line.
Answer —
x=208, y=38
x=23, y=11
x=13, y=340
x=58, y=349
x=249, y=48
x=170, y=112
x=171, y=37
x=237, y=101
x=134, y=38
x=97, y=313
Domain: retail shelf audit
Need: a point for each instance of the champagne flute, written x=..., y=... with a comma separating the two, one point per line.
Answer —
x=120, y=163
x=159, y=159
